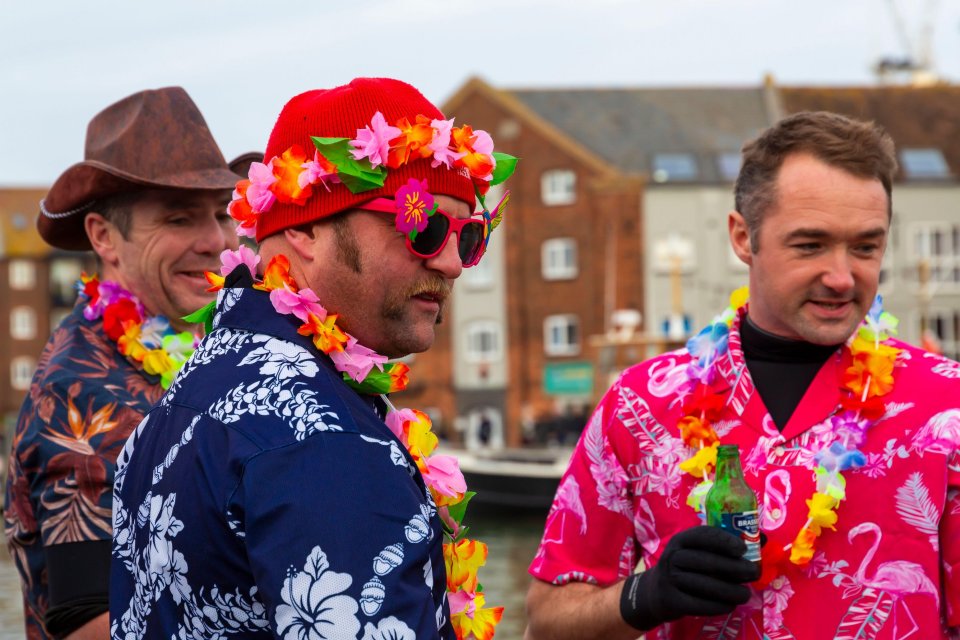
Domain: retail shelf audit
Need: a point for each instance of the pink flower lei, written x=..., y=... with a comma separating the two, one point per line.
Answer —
x=368, y=372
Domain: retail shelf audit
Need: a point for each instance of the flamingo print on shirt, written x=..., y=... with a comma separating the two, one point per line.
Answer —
x=892, y=580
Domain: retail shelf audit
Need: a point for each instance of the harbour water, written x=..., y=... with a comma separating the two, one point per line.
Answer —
x=512, y=539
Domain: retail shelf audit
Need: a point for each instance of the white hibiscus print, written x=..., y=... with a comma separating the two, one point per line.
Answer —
x=388, y=629
x=283, y=360
x=316, y=608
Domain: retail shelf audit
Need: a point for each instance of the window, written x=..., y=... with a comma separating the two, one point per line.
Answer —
x=558, y=187
x=64, y=274
x=728, y=164
x=924, y=164
x=483, y=341
x=946, y=327
x=21, y=371
x=23, y=323
x=937, y=246
x=480, y=275
x=561, y=335
x=559, y=259
x=674, y=167
x=23, y=275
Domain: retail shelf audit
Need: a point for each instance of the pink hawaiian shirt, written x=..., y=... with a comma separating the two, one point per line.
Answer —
x=889, y=570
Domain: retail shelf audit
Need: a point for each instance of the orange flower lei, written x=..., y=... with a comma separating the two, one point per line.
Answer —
x=368, y=372
x=869, y=377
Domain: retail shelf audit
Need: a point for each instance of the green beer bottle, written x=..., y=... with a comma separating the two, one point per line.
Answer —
x=731, y=504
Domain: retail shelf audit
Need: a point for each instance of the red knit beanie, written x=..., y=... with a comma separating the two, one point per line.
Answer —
x=339, y=113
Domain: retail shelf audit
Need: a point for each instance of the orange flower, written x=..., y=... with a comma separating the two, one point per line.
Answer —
x=476, y=159
x=873, y=367
x=802, y=550
x=327, y=336
x=421, y=441
x=240, y=209
x=277, y=275
x=216, y=281
x=463, y=560
x=413, y=140
x=697, y=434
x=287, y=169
x=398, y=377
x=476, y=621
x=129, y=343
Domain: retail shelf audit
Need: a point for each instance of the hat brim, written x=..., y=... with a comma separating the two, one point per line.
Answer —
x=82, y=185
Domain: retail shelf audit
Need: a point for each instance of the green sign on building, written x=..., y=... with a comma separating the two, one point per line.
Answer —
x=568, y=379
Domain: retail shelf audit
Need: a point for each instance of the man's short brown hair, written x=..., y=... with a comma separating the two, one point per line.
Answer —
x=860, y=148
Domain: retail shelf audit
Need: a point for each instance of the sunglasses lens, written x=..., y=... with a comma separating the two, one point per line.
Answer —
x=429, y=240
x=470, y=243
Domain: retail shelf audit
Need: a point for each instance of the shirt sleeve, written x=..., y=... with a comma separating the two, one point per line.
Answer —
x=78, y=445
x=950, y=544
x=339, y=536
x=589, y=533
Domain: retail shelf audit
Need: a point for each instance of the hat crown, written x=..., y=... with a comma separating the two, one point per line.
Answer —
x=153, y=135
x=339, y=113
x=154, y=139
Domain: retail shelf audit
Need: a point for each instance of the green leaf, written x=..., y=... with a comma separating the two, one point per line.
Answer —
x=457, y=511
x=356, y=175
x=506, y=164
x=204, y=314
x=462, y=534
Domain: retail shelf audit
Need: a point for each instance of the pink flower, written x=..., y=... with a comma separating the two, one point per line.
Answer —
x=395, y=421
x=318, y=170
x=258, y=193
x=230, y=260
x=461, y=601
x=356, y=360
x=440, y=145
x=374, y=143
x=444, y=476
x=301, y=303
x=414, y=203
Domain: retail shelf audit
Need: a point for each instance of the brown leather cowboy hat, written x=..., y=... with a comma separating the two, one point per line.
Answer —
x=241, y=164
x=153, y=139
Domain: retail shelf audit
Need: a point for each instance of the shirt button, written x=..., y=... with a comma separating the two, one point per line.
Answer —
x=775, y=514
x=778, y=451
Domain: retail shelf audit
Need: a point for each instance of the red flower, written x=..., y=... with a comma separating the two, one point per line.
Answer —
x=773, y=562
x=117, y=315
x=873, y=409
x=705, y=402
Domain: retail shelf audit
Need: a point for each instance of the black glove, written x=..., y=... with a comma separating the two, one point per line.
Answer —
x=701, y=573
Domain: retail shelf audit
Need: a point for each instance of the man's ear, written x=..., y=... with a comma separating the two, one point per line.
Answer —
x=303, y=241
x=740, y=237
x=103, y=237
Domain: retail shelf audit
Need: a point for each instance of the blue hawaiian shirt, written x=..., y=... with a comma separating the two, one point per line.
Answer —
x=265, y=498
x=85, y=399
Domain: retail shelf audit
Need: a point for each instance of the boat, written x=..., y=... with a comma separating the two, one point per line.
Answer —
x=514, y=478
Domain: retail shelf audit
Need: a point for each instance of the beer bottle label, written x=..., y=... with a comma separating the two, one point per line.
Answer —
x=746, y=526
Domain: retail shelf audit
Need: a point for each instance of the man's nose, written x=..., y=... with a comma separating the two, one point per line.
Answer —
x=838, y=274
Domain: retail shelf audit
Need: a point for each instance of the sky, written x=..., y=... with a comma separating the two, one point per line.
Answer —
x=62, y=62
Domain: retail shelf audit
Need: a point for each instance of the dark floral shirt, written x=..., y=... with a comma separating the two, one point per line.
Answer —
x=84, y=400
x=263, y=498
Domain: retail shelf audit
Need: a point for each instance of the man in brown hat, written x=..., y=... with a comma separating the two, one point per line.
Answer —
x=150, y=199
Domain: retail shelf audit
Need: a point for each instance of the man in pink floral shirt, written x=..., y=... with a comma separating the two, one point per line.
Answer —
x=848, y=437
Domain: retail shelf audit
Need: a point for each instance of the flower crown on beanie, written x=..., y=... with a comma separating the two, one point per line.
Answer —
x=357, y=156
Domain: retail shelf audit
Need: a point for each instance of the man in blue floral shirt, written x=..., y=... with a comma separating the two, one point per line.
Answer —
x=276, y=491
x=150, y=199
